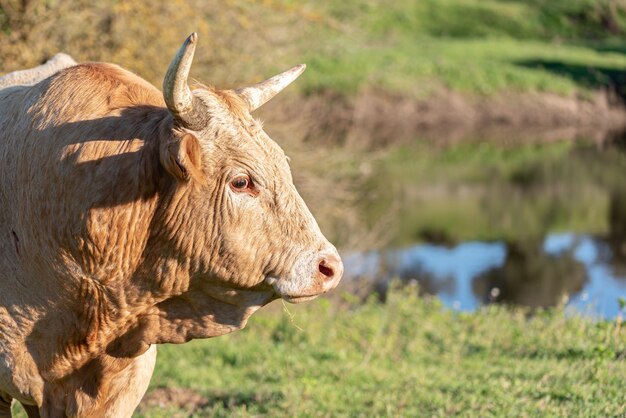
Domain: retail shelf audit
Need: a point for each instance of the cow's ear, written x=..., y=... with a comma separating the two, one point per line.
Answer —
x=180, y=156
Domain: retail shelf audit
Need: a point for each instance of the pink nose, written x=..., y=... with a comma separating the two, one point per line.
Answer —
x=330, y=271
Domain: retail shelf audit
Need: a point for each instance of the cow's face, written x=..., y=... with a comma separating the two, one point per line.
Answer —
x=250, y=227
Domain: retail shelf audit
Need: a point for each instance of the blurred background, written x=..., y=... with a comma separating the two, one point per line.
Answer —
x=474, y=148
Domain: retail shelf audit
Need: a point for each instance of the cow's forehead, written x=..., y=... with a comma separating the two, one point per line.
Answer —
x=239, y=134
x=262, y=149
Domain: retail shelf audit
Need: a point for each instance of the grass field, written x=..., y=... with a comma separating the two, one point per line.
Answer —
x=484, y=47
x=408, y=357
x=407, y=46
x=473, y=46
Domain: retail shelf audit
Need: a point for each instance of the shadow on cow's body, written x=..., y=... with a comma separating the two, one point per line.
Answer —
x=132, y=218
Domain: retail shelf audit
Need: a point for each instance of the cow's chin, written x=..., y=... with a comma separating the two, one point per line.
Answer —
x=298, y=299
x=289, y=295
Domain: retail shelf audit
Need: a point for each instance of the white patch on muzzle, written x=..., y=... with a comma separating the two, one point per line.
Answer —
x=301, y=279
x=307, y=279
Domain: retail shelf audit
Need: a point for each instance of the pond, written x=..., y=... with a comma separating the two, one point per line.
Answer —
x=536, y=223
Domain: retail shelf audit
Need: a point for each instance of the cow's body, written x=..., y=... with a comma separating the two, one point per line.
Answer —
x=86, y=196
x=102, y=251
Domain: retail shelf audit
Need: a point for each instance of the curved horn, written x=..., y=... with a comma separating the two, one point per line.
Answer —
x=187, y=109
x=259, y=94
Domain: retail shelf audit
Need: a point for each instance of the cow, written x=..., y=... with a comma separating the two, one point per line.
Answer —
x=130, y=218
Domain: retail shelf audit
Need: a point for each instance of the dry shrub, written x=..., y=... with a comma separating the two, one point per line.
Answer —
x=239, y=39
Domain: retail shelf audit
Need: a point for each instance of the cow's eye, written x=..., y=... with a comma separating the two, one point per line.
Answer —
x=240, y=183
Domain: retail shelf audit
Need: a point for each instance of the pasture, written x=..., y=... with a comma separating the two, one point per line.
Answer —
x=409, y=357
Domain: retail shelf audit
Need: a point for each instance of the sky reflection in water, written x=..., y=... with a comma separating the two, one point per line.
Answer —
x=464, y=276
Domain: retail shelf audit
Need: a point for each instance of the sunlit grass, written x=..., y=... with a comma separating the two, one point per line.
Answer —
x=471, y=46
x=419, y=66
x=409, y=357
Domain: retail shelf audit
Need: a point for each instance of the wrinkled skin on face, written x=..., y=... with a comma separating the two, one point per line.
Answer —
x=264, y=232
x=261, y=233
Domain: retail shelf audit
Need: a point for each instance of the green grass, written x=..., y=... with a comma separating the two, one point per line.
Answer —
x=472, y=46
x=409, y=47
x=418, y=65
x=522, y=19
x=409, y=357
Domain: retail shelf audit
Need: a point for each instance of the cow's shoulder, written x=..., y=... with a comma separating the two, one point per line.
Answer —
x=101, y=86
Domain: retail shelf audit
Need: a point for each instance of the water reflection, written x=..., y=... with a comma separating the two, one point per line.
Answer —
x=571, y=268
x=532, y=277
x=474, y=221
x=616, y=238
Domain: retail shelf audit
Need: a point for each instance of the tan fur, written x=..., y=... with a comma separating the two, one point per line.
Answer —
x=118, y=231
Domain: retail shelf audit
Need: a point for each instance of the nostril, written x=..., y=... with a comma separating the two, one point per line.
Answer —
x=326, y=270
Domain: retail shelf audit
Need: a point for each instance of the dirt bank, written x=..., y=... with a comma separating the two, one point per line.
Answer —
x=375, y=118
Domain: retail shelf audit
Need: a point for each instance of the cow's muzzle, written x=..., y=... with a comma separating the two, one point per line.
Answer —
x=314, y=275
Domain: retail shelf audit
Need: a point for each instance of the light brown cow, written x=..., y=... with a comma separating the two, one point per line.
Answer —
x=130, y=218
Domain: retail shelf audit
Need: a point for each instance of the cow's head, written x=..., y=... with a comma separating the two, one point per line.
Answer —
x=244, y=225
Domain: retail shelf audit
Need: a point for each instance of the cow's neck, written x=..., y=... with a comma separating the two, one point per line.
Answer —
x=174, y=307
x=174, y=304
x=151, y=299
x=184, y=317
